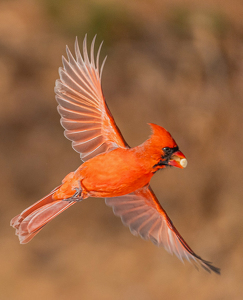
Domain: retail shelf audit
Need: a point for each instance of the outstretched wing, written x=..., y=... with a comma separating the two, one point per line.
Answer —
x=84, y=113
x=144, y=215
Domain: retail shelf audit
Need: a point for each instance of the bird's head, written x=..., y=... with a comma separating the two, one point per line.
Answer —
x=165, y=150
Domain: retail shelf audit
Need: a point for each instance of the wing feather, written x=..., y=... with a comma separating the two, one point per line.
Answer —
x=143, y=214
x=85, y=115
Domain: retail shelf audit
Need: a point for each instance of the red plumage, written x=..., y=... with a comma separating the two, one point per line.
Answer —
x=111, y=169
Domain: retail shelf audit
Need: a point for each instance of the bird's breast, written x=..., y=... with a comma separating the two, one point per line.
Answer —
x=116, y=173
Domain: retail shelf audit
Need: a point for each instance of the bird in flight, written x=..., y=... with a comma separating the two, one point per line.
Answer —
x=111, y=169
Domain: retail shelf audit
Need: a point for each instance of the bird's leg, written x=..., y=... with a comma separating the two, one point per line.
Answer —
x=78, y=196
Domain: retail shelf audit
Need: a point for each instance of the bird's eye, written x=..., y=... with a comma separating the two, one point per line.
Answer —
x=166, y=149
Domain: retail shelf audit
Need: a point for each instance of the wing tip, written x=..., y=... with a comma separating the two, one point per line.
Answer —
x=207, y=265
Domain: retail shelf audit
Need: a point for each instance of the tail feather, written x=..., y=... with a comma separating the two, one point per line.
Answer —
x=35, y=217
x=15, y=222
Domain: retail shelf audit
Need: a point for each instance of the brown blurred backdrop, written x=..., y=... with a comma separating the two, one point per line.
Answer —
x=175, y=63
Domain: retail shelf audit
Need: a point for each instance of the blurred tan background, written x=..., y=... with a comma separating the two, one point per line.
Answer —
x=175, y=63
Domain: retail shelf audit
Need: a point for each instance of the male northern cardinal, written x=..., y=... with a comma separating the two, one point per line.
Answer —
x=111, y=169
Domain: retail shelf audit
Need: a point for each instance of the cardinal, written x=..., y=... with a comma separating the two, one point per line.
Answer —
x=111, y=169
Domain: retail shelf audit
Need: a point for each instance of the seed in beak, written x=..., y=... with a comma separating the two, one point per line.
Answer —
x=183, y=162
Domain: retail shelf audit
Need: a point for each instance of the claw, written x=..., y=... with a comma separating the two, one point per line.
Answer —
x=76, y=197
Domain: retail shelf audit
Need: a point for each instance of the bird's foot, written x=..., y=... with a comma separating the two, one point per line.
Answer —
x=77, y=196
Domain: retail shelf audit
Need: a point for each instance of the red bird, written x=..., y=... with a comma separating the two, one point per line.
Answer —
x=111, y=169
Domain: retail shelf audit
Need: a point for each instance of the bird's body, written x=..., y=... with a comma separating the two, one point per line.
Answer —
x=111, y=169
x=117, y=172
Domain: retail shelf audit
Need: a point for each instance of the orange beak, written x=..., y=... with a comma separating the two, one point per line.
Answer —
x=178, y=160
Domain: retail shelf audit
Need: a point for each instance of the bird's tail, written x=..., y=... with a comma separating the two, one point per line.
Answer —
x=35, y=217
